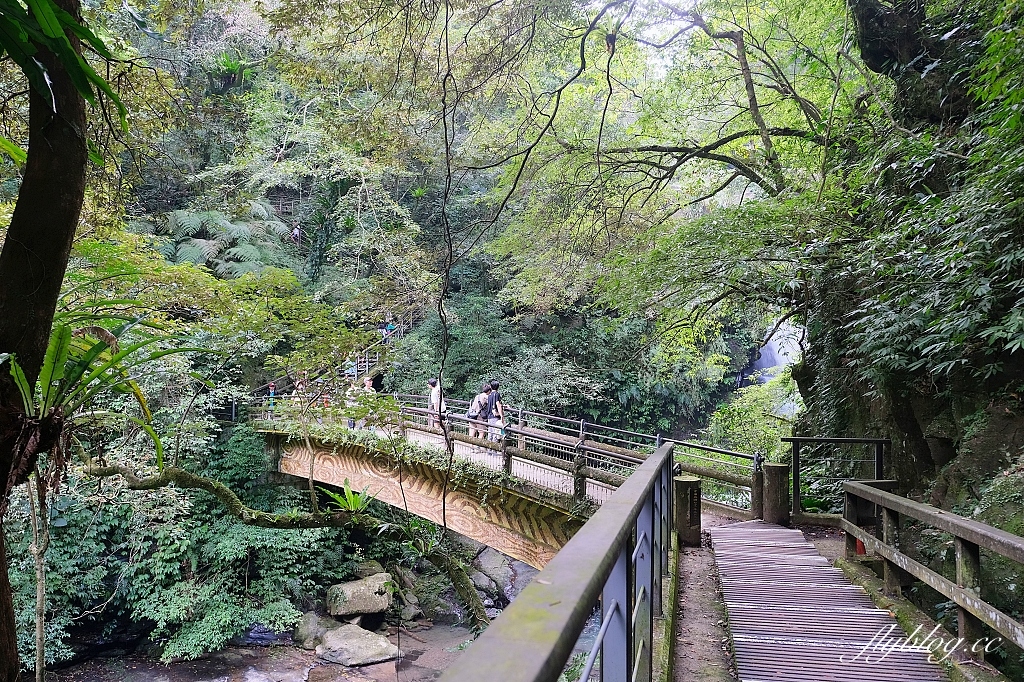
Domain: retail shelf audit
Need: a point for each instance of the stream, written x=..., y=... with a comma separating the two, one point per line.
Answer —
x=425, y=653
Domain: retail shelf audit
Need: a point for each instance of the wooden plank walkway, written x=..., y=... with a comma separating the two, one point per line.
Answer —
x=795, y=618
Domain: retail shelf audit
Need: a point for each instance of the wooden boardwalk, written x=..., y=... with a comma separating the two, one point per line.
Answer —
x=795, y=618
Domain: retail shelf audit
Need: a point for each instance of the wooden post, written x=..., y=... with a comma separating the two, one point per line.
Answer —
x=968, y=574
x=757, y=495
x=891, y=573
x=851, y=514
x=686, y=507
x=520, y=437
x=506, y=457
x=776, y=493
x=797, y=506
x=579, y=481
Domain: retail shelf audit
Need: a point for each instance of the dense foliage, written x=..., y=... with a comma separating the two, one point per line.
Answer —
x=605, y=207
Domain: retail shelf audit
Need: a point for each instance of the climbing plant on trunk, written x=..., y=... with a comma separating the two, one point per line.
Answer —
x=46, y=43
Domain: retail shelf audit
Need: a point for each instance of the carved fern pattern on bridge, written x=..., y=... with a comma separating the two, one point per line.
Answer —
x=524, y=528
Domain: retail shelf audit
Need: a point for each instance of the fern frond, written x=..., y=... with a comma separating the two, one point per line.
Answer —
x=231, y=269
x=185, y=224
x=239, y=231
x=211, y=248
x=190, y=252
x=245, y=253
x=260, y=210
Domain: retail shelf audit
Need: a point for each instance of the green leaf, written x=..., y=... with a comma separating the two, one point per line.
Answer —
x=104, y=415
x=53, y=367
x=94, y=154
x=68, y=22
x=17, y=154
x=22, y=383
x=42, y=10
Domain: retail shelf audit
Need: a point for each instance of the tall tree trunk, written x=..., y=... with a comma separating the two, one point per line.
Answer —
x=32, y=266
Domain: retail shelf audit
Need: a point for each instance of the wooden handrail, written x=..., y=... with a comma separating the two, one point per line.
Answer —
x=988, y=537
x=969, y=537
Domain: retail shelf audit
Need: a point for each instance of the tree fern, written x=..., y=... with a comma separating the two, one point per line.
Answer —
x=184, y=224
x=168, y=248
x=239, y=231
x=190, y=252
x=232, y=269
x=211, y=248
x=260, y=210
x=230, y=246
x=244, y=252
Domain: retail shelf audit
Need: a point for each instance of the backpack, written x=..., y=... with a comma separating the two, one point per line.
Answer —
x=474, y=408
x=492, y=404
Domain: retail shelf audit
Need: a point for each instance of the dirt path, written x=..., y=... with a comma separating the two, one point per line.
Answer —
x=702, y=642
x=830, y=542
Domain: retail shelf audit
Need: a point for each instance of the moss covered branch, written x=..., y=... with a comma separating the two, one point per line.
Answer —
x=231, y=502
x=464, y=588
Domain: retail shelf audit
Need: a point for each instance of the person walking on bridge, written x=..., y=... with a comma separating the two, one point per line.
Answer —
x=477, y=413
x=435, y=403
x=495, y=412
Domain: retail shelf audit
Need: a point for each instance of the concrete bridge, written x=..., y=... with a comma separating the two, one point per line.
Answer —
x=529, y=492
x=524, y=520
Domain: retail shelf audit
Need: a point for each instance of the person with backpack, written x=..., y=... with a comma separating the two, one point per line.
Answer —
x=495, y=412
x=477, y=413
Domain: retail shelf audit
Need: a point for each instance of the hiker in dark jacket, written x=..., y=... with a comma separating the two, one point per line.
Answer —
x=495, y=412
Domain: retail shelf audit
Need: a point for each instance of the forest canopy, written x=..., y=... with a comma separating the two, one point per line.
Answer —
x=609, y=207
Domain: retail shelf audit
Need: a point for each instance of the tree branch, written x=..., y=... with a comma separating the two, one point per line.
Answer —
x=232, y=504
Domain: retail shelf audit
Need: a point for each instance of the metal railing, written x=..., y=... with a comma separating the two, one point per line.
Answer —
x=572, y=456
x=617, y=560
x=840, y=469
x=732, y=477
x=571, y=466
x=587, y=473
x=353, y=368
x=868, y=503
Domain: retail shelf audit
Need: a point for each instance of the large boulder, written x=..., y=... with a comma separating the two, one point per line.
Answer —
x=410, y=613
x=311, y=629
x=364, y=569
x=482, y=582
x=351, y=645
x=497, y=567
x=368, y=595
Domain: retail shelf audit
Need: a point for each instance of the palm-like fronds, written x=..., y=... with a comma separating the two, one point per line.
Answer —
x=231, y=248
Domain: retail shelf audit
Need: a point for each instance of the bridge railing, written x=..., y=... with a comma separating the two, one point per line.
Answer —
x=820, y=469
x=732, y=479
x=541, y=457
x=869, y=503
x=533, y=445
x=615, y=562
